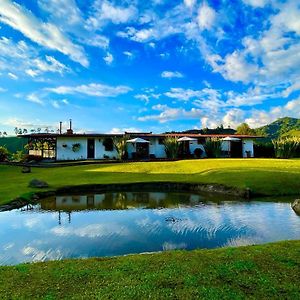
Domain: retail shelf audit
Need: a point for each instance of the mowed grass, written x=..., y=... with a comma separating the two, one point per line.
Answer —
x=270, y=177
x=269, y=271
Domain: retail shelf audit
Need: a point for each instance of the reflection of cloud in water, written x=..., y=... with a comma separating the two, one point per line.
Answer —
x=40, y=255
x=241, y=241
x=8, y=246
x=173, y=246
x=92, y=230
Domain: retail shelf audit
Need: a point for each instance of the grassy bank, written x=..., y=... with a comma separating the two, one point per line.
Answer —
x=269, y=271
x=263, y=176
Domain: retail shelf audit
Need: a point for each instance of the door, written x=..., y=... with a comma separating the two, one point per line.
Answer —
x=91, y=148
x=236, y=150
x=142, y=150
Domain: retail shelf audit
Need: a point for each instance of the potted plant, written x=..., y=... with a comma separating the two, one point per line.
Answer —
x=76, y=147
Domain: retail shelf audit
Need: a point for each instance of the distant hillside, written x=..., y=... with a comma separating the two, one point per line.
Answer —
x=280, y=127
x=13, y=144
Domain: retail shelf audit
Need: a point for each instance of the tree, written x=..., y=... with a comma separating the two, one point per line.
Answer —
x=120, y=145
x=245, y=129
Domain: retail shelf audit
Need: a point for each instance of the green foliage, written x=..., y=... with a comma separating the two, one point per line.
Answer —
x=171, y=147
x=268, y=271
x=280, y=127
x=264, y=149
x=18, y=156
x=291, y=133
x=245, y=129
x=120, y=144
x=4, y=153
x=213, y=147
x=76, y=147
x=287, y=147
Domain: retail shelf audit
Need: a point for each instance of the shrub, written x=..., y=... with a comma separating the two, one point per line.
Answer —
x=287, y=147
x=213, y=148
x=171, y=147
x=4, y=153
x=18, y=156
x=264, y=150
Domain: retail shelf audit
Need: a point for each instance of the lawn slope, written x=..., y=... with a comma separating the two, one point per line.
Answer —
x=269, y=271
x=264, y=176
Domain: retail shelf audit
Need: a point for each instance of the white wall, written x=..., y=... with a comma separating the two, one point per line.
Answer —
x=248, y=146
x=100, y=150
x=67, y=153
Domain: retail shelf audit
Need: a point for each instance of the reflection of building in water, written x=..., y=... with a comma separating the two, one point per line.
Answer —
x=120, y=200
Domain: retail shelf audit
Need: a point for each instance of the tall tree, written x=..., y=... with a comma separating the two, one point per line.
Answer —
x=245, y=129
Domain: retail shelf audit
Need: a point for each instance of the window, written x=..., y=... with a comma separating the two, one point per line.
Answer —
x=108, y=144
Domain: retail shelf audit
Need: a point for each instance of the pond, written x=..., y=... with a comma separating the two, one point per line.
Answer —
x=120, y=223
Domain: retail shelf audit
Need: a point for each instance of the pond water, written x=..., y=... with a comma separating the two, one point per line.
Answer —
x=120, y=223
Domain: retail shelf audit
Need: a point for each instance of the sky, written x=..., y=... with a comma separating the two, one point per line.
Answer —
x=155, y=65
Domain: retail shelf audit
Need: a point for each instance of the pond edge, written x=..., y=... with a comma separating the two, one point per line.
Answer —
x=143, y=186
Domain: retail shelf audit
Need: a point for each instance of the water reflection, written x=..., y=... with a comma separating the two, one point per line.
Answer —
x=121, y=200
x=121, y=223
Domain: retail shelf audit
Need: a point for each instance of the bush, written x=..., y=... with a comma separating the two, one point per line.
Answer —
x=171, y=147
x=287, y=147
x=264, y=150
x=213, y=148
x=18, y=156
x=4, y=153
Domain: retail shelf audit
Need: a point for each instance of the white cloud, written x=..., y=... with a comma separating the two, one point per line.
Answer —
x=108, y=58
x=116, y=130
x=256, y=3
x=92, y=89
x=206, y=16
x=104, y=11
x=182, y=94
x=2, y=90
x=62, y=8
x=171, y=74
x=13, y=76
x=35, y=99
x=45, y=34
x=20, y=57
x=142, y=97
x=128, y=54
x=168, y=114
x=189, y=3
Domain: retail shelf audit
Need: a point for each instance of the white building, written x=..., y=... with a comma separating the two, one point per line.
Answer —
x=71, y=146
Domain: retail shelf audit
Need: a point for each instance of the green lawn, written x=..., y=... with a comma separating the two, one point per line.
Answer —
x=263, y=176
x=269, y=271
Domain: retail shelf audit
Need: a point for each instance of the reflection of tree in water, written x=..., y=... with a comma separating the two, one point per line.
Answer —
x=120, y=201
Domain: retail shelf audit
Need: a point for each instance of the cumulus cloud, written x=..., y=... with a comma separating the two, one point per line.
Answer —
x=108, y=58
x=44, y=34
x=104, y=11
x=171, y=74
x=92, y=89
x=206, y=16
x=168, y=114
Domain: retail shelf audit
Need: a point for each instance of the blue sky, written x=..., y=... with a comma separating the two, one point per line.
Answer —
x=148, y=65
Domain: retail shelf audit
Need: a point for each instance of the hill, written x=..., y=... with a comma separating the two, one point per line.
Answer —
x=280, y=127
